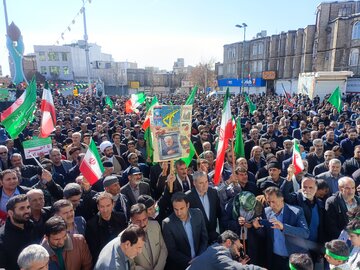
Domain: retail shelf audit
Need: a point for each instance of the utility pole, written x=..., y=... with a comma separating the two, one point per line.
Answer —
x=86, y=50
x=6, y=16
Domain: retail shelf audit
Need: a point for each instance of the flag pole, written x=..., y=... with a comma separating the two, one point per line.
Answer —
x=233, y=155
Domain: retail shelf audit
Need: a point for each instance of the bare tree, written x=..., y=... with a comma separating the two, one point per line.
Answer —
x=203, y=74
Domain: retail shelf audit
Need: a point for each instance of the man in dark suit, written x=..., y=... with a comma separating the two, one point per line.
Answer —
x=284, y=224
x=297, y=132
x=105, y=226
x=135, y=187
x=337, y=206
x=184, y=233
x=223, y=255
x=206, y=199
x=249, y=144
x=118, y=147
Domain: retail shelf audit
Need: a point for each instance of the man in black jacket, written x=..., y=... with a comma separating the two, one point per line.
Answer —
x=105, y=226
x=337, y=207
x=206, y=199
x=17, y=232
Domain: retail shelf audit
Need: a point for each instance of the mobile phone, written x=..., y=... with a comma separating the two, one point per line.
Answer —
x=265, y=223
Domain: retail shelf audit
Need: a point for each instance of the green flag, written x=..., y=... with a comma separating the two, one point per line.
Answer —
x=239, y=142
x=335, y=99
x=252, y=106
x=18, y=120
x=189, y=158
x=109, y=102
x=149, y=146
x=190, y=100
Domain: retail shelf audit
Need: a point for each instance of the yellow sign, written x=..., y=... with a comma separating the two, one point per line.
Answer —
x=134, y=84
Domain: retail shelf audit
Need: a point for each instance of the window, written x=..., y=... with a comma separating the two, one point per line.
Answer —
x=254, y=66
x=354, y=57
x=356, y=31
x=260, y=48
x=64, y=56
x=54, y=70
x=53, y=56
x=259, y=66
x=344, y=11
x=42, y=56
x=66, y=70
x=43, y=70
x=255, y=49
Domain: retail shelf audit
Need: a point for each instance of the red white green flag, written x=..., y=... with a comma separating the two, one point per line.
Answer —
x=13, y=106
x=226, y=133
x=134, y=102
x=48, y=119
x=154, y=102
x=91, y=166
x=296, y=158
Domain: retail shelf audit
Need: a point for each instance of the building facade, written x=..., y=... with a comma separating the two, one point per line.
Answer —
x=68, y=62
x=331, y=44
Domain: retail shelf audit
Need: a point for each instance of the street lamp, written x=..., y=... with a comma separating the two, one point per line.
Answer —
x=243, y=25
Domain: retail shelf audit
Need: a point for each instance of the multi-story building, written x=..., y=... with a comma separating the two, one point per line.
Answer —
x=332, y=44
x=68, y=62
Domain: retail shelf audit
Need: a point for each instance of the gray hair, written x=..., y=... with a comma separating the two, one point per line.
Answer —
x=31, y=254
x=335, y=161
x=198, y=174
x=343, y=180
x=318, y=141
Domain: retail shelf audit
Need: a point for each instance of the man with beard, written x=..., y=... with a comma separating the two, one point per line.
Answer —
x=154, y=253
x=329, y=142
x=225, y=254
x=305, y=198
x=348, y=145
x=118, y=162
x=324, y=167
x=67, y=251
x=17, y=233
x=351, y=165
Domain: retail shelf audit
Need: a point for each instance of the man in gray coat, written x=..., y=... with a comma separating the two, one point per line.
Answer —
x=223, y=255
x=119, y=253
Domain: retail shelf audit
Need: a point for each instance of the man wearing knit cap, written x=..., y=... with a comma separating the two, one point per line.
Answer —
x=112, y=186
x=107, y=150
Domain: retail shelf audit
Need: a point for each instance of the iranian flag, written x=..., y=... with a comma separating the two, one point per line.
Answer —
x=91, y=166
x=48, y=119
x=13, y=106
x=296, y=158
x=154, y=102
x=134, y=102
x=226, y=133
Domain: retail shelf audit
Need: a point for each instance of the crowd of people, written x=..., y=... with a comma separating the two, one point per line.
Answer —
x=146, y=215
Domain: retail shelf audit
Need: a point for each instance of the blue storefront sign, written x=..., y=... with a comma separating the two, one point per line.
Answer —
x=248, y=82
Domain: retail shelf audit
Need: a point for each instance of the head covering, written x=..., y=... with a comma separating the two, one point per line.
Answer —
x=275, y=165
x=134, y=170
x=147, y=200
x=108, y=164
x=109, y=180
x=245, y=200
x=104, y=145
